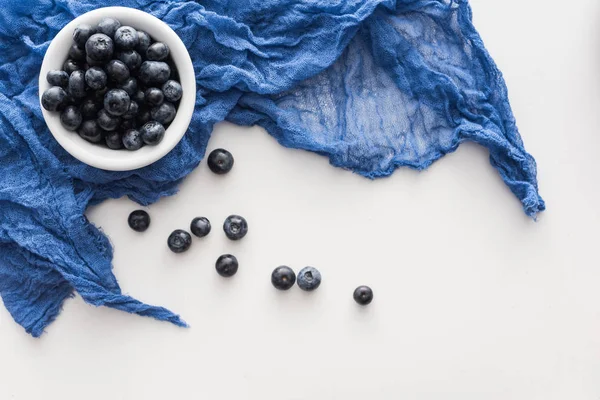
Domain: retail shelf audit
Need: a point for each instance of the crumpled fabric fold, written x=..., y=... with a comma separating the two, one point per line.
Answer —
x=372, y=84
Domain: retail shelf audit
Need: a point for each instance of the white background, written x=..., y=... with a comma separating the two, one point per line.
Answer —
x=472, y=299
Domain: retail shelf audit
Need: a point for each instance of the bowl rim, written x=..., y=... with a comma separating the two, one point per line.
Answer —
x=99, y=156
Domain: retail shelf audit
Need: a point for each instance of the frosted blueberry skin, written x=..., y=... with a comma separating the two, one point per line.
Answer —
x=227, y=265
x=116, y=102
x=71, y=118
x=108, y=26
x=117, y=71
x=129, y=86
x=172, y=91
x=200, y=226
x=132, y=139
x=143, y=42
x=157, y=52
x=179, y=241
x=76, y=53
x=113, y=140
x=363, y=295
x=132, y=112
x=139, y=220
x=220, y=161
x=107, y=121
x=235, y=227
x=152, y=133
x=96, y=78
x=76, y=87
x=154, y=72
x=71, y=66
x=58, y=78
x=90, y=131
x=283, y=278
x=153, y=96
x=309, y=279
x=131, y=58
x=82, y=33
x=126, y=38
x=54, y=99
x=165, y=113
x=99, y=47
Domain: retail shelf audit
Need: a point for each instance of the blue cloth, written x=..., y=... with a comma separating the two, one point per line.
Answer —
x=372, y=84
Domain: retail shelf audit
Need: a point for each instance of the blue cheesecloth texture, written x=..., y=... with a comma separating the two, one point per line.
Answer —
x=372, y=84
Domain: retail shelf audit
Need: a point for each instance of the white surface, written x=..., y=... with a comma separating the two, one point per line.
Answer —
x=472, y=300
x=100, y=156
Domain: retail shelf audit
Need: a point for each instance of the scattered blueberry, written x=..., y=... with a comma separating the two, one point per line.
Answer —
x=154, y=96
x=71, y=118
x=90, y=131
x=116, y=102
x=143, y=42
x=71, y=66
x=200, y=226
x=235, y=227
x=152, y=133
x=89, y=109
x=226, y=265
x=107, y=121
x=96, y=78
x=139, y=220
x=132, y=112
x=309, y=279
x=172, y=91
x=58, y=78
x=220, y=161
x=157, y=52
x=54, y=99
x=179, y=241
x=77, y=84
x=126, y=38
x=130, y=86
x=82, y=33
x=131, y=58
x=117, y=71
x=113, y=140
x=132, y=139
x=108, y=26
x=99, y=47
x=76, y=53
x=283, y=278
x=154, y=72
x=165, y=113
x=363, y=295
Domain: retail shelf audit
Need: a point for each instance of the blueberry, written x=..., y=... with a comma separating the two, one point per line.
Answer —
x=143, y=42
x=363, y=295
x=157, y=52
x=152, y=133
x=108, y=26
x=89, y=109
x=76, y=53
x=179, y=241
x=77, y=84
x=116, y=102
x=132, y=139
x=131, y=58
x=139, y=97
x=93, y=63
x=220, y=161
x=113, y=140
x=130, y=86
x=90, y=131
x=235, y=227
x=99, y=47
x=71, y=118
x=154, y=96
x=139, y=220
x=143, y=116
x=54, y=98
x=107, y=121
x=82, y=33
x=117, y=71
x=126, y=38
x=96, y=78
x=309, y=279
x=71, y=66
x=132, y=112
x=127, y=124
x=283, y=278
x=200, y=226
x=165, y=113
x=226, y=265
x=172, y=90
x=154, y=72
x=58, y=78
x=99, y=96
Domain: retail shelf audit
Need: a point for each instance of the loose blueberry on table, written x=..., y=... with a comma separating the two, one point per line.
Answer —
x=226, y=265
x=139, y=220
x=179, y=241
x=309, y=279
x=235, y=227
x=220, y=161
x=200, y=226
x=117, y=88
x=283, y=278
x=363, y=295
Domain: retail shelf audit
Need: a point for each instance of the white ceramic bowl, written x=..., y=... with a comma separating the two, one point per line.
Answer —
x=100, y=156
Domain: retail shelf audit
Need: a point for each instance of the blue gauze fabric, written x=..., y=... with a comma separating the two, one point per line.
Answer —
x=372, y=84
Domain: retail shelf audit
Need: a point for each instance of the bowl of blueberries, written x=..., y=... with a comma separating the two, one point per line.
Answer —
x=117, y=88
